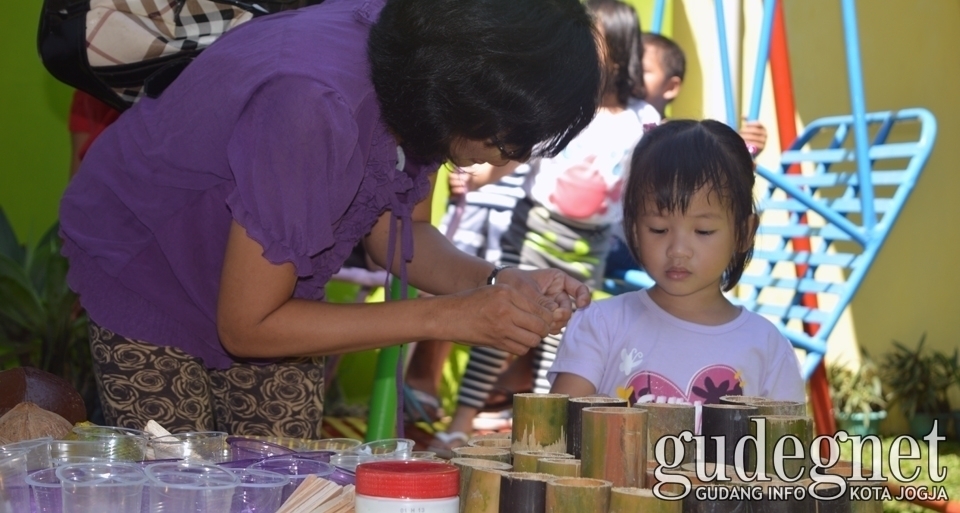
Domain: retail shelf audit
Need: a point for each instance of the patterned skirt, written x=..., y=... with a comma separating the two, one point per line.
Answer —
x=138, y=381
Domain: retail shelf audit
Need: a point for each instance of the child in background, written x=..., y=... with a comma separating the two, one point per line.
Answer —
x=690, y=221
x=572, y=201
x=664, y=66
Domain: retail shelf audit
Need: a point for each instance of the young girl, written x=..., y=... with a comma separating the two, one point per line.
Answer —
x=690, y=221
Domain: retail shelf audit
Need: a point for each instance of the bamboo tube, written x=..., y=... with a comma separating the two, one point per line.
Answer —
x=495, y=443
x=490, y=436
x=664, y=419
x=467, y=466
x=526, y=461
x=523, y=492
x=560, y=467
x=614, y=445
x=749, y=400
x=730, y=422
x=781, y=408
x=637, y=500
x=483, y=491
x=574, y=408
x=539, y=422
x=776, y=428
x=578, y=495
x=483, y=453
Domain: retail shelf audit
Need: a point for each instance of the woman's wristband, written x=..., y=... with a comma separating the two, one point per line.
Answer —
x=492, y=279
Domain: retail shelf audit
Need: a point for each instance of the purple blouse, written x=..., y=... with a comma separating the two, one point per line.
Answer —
x=277, y=126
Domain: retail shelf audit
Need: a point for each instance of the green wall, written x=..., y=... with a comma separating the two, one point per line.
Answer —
x=34, y=141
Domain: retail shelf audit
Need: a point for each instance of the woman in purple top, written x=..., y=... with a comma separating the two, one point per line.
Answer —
x=203, y=225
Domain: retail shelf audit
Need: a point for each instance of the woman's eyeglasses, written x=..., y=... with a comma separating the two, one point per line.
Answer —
x=517, y=155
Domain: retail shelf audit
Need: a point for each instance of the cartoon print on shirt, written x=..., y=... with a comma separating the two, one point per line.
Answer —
x=707, y=386
x=630, y=361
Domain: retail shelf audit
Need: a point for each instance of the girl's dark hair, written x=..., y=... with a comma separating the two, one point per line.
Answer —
x=526, y=72
x=621, y=32
x=675, y=160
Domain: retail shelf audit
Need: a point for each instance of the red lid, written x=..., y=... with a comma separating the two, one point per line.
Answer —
x=399, y=479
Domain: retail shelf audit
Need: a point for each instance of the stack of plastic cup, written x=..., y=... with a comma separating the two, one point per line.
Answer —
x=259, y=491
x=189, y=488
x=196, y=446
x=67, y=452
x=388, y=449
x=108, y=487
x=122, y=444
x=333, y=444
x=47, y=490
x=38, y=452
x=248, y=448
x=14, y=492
x=294, y=467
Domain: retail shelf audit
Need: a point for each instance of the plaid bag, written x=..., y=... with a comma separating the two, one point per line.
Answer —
x=121, y=50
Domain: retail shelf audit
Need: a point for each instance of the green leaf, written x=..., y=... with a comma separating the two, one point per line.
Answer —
x=19, y=302
x=9, y=246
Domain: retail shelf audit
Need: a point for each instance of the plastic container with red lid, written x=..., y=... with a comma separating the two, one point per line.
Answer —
x=405, y=486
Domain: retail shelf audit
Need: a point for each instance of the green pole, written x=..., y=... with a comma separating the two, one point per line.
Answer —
x=382, y=421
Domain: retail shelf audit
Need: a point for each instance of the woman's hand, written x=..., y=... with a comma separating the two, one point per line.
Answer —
x=552, y=289
x=500, y=316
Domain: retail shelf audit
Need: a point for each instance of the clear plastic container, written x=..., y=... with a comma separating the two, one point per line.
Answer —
x=111, y=487
x=190, y=488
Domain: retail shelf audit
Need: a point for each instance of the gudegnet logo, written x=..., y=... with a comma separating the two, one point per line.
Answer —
x=754, y=481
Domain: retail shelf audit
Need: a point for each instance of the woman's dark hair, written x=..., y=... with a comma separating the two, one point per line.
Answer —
x=675, y=160
x=621, y=32
x=526, y=72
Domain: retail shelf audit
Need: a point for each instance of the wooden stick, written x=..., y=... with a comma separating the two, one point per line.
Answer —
x=664, y=419
x=781, y=408
x=483, y=453
x=467, y=466
x=614, y=445
x=636, y=500
x=730, y=422
x=482, y=494
x=574, y=422
x=578, y=495
x=777, y=427
x=749, y=400
x=539, y=422
x=526, y=461
x=523, y=492
x=560, y=467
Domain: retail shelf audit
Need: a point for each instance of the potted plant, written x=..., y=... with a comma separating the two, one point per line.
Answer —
x=859, y=401
x=950, y=368
x=919, y=382
x=41, y=323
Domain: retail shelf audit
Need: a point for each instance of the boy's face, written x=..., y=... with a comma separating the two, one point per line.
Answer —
x=661, y=89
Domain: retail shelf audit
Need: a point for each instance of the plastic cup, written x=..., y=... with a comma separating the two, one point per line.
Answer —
x=122, y=444
x=66, y=452
x=238, y=464
x=189, y=488
x=388, y=449
x=38, y=452
x=259, y=491
x=334, y=444
x=14, y=492
x=317, y=455
x=47, y=490
x=241, y=448
x=110, y=487
x=294, y=467
x=195, y=446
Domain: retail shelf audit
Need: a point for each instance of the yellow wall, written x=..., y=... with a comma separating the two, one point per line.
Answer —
x=909, y=60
